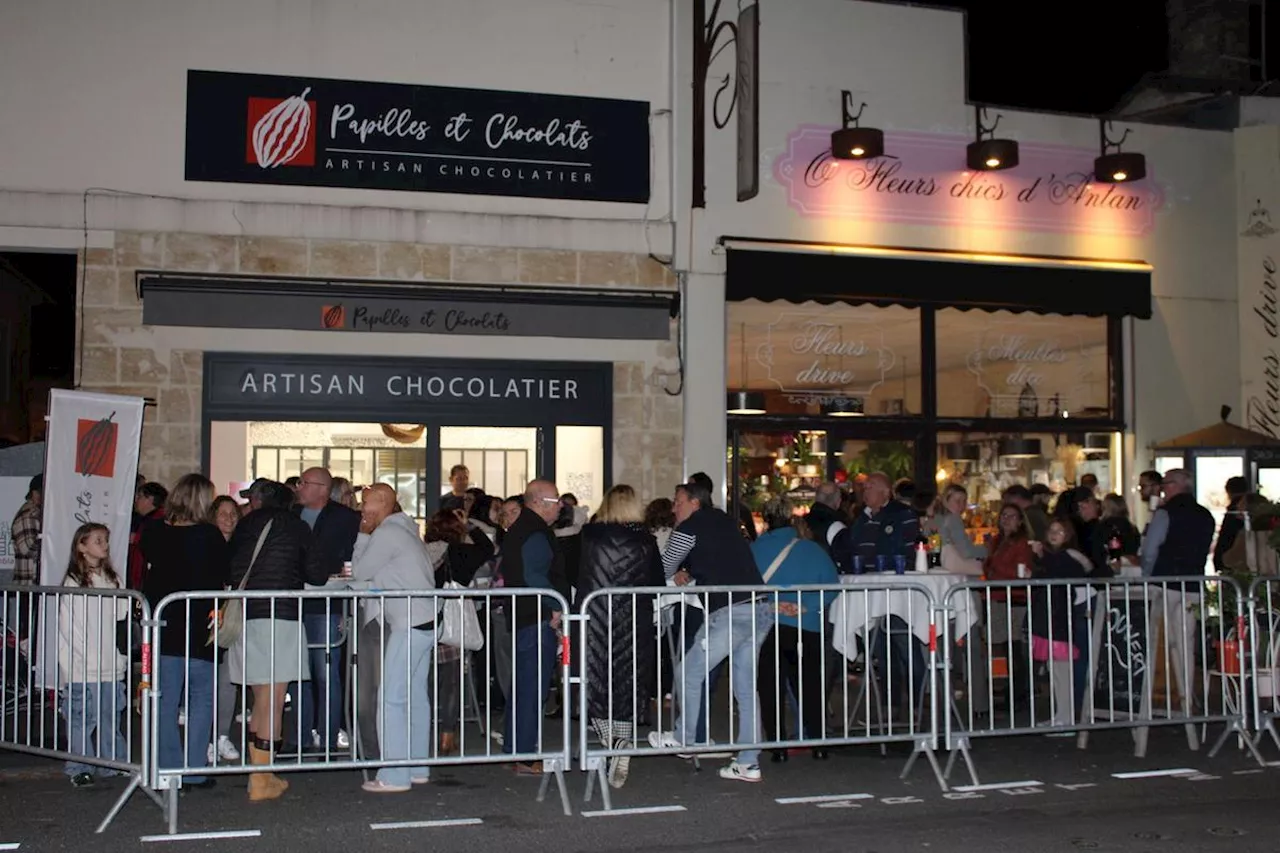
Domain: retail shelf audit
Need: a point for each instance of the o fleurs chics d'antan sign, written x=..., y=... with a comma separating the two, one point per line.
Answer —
x=260, y=129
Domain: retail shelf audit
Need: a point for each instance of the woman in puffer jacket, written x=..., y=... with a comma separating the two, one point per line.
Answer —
x=618, y=551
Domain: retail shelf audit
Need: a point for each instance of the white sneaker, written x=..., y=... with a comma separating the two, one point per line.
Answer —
x=182, y=718
x=211, y=757
x=741, y=772
x=668, y=740
x=497, y=737
x=344, y=740
x=226, y=749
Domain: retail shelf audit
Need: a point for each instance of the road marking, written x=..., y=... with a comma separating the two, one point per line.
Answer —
x=428, y=824
x=1248, y=772
x=1152, y=774
x=1077, y=786
x=997, y=786
x=204, y=836
x=840, y=804
x=821, y=798
x=640, y=810
x=10, y=845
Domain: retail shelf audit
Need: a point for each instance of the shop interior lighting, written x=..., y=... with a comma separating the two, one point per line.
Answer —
x=988, y=154
x=1115, y=166
x=745, y=402
x=1019, y=448
x=847, y=407
x=962, y=452
x=853, y=142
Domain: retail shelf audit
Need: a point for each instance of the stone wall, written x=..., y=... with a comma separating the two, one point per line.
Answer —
x=120, y=355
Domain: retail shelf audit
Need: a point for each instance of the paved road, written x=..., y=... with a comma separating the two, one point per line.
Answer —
x=1068, y=800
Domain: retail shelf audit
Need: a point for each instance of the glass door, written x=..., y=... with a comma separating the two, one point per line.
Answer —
x=500, y=460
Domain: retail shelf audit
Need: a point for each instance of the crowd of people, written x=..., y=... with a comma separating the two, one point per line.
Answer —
x=311, y=533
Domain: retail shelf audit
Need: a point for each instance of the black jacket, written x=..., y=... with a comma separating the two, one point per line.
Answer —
x=335, y=538
x=184, y=558
x=619, y=555
x=1232, y=527
x=839, y=548
x=1186, y=546
x=1052, y=606
x=709, y=545
x=463, y=559
x=527, y=611
x=288, y=560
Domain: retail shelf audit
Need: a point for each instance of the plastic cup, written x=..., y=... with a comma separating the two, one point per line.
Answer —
x=899, y=564
x=882, y=562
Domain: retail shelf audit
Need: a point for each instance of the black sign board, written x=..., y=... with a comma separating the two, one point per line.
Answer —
x=263, y=386
x=421, y=308
x=1122, y=667
x=261, y=129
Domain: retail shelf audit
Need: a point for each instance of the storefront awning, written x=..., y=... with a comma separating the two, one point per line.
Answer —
x=913, y=278
x=249, y=302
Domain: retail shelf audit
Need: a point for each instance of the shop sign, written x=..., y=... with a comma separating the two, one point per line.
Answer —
x=812, y=359
x=309, y=131
x=1030, y=369
x=1258, y=159
x=250, y=385
x=921, y=180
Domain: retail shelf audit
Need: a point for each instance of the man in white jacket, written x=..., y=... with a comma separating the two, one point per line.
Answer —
x=391, y=558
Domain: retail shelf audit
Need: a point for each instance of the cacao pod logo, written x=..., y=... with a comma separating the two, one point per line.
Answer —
x=96, y=446
x=333, y=317
x=282, y=132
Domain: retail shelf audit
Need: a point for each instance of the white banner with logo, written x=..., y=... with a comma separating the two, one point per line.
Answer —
x=1258, y=213
x=91, y=468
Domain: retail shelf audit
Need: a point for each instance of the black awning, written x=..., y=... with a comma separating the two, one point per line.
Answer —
x=177, y=299
x=824, y=277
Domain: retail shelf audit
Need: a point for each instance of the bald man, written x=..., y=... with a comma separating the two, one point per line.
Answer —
x=531, y=559
x=390, y=557
x=335, y=528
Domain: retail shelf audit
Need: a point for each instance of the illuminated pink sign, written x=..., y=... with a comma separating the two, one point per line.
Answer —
x=922, y=180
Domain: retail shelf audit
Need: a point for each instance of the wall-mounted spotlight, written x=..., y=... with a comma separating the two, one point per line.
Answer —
x=852, y=142
x=988, y=154
x=1117, y=167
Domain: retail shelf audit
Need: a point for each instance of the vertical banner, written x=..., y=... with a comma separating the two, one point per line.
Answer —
x=1257, y=201
x=91, y=467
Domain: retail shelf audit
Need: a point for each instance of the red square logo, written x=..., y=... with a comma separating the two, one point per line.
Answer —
x=96, y=447
x=281, y=132
x=333, y=317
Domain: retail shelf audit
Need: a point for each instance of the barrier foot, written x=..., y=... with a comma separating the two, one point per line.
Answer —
x=606, y=795
x=1237, y=728
x=591, y=781
x=172, y=810
x=135, y=782
x=557, y=770
x=1268, y=728
x=923, y=747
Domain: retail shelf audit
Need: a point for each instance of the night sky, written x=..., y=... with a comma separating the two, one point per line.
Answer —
x=1076, y=57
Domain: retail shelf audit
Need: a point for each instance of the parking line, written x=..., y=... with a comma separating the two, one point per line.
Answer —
x=821, y=798
x=204, y=836
x=1152, y=774
x=10, y=845
x=428, y=824
x=640, y=810
x=997, y=786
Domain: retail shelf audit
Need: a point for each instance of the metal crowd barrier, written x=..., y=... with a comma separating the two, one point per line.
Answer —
x=857, y=671
x=67, y=681
x=274, y=650
x=1261, y=668
x=1068, y=657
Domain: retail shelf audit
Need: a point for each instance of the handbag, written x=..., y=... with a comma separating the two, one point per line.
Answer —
x=459, y=625
x=954, y=563
x=231, y=616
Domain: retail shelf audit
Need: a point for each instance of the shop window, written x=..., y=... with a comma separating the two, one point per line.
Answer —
x=813, y=359
x=500, y=460
x=986, y=464
x=1005, y=365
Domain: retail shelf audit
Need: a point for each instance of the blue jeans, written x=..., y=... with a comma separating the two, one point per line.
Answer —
x=908, y=654
x=404, y=724
x=325, y=690
x=693, y=618
x=535, y=664
x=199, y=711
x=92, y=712
x=737, y=633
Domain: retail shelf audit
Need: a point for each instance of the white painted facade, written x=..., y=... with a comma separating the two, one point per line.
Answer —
x=94, y=126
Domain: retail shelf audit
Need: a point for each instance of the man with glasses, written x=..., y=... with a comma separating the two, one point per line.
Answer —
x=532, y=560
x=335, y=528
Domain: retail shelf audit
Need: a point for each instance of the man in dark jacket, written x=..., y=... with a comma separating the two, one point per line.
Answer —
x=531, y=560
x=1233, y=522
x=829, y=527
x=708, y=544
x=1177, y=544
x=335, y=528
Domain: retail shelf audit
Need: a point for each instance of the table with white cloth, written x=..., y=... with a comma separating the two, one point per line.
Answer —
x=872, y=597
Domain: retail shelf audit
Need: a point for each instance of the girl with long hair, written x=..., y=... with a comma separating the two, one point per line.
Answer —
x=91, y=670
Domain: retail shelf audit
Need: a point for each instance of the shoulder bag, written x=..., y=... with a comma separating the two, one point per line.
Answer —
x=230, y=619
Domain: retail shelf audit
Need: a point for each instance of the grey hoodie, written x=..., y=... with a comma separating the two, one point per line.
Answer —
x=392, y=559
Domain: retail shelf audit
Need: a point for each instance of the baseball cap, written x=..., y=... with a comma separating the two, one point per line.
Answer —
x=257, y=487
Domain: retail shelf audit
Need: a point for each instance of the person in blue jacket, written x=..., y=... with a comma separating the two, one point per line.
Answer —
x=794, y=647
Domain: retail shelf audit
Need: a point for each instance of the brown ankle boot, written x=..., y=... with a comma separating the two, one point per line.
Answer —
x=263, y=786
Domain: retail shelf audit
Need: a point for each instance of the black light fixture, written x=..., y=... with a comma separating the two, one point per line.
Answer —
x=852, y=142
x=962, y=452
x=1019, y=448
x=988, y=154
x=1117, y=167
x=844, y=407
x=744, y=402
